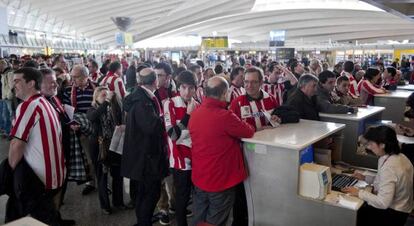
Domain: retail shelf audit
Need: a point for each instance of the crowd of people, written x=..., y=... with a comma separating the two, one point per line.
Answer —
x=173, y=130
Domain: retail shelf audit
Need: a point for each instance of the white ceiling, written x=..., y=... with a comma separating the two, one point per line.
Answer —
x=244, y=20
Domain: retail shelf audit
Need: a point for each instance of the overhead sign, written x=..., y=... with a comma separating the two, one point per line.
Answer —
x=122, y=38
x=119, y=38
x=284, y=54
x=128, y=39
x=48, y=51
x=215, y=42
x=277, y=38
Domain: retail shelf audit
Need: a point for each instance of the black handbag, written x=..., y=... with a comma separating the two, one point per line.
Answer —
x=6, y=178
x=103, y=150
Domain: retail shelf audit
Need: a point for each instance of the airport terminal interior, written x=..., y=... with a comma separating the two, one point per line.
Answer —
x=207, y=113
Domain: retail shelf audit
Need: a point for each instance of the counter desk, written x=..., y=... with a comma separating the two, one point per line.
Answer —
x=394, y=104
x=409, y=87
x=272, y=188
x=355, y=126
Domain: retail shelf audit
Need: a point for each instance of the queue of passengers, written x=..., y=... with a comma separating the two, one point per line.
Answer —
x=176, y=134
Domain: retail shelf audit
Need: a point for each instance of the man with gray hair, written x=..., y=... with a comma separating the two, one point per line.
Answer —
x=303, y=99
x=217, y=159
x=79, y=95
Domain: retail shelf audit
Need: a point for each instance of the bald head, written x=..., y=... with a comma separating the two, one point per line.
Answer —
x=147, y=76
x=217, y=88
x=146, y=71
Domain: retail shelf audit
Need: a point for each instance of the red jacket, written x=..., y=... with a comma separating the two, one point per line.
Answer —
x=217, y=158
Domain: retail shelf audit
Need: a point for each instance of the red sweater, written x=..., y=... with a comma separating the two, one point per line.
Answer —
x=217, y=158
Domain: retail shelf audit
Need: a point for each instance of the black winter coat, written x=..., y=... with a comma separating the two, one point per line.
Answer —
x=307, y=107
x=145, y=153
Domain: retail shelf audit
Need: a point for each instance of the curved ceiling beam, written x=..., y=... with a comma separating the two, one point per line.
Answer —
x=316, y=23
x=259, y=19
x=148, y=15
x=203, y=12
x=358, y=35
x=123, y=9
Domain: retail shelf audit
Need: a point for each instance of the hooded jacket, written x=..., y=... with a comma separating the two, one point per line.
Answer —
x=7, y=84
x=144, y=154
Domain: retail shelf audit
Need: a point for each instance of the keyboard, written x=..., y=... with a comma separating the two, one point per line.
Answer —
x=340, y=181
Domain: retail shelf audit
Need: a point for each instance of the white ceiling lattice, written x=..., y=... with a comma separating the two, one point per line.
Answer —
x=244, y=20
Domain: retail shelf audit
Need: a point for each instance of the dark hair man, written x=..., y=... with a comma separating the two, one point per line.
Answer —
x=166, y=90
x=113, y=80
x=327, y=80
x=35, y=152
x=341, y=94
x=279, y=82
x=348, y=69
x=389, y=78
x=251, y=106
x=236, y=87
x=167, y=87
x=177, y=113
x=94, y=73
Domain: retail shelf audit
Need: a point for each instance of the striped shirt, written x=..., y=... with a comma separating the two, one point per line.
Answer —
x=80, y=99
x=251, y=110
x=368, y=90
x=164, y=94
x=95, y=76
x=233, y=92
x=179, y=140
x=116, y=85
x=37, y=124
x=276, y=90
x=199, y=96
x=353, y=88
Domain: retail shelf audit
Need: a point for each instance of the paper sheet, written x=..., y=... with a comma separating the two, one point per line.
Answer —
x=69, y=111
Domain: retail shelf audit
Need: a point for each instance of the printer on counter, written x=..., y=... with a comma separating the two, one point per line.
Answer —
x=314, y=181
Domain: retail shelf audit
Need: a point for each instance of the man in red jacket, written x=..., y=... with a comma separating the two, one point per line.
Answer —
x=217, y=159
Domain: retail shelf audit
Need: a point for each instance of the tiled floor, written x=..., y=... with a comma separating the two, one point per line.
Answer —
x=85, y=209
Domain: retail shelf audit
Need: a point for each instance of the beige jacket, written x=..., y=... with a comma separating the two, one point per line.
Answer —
x=7, y=85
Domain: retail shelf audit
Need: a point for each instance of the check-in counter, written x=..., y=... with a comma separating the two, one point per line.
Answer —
x=25, y=221
x=405, y=140
x=272, y=188
x=409, y=87
x=394, y=103
x=355, y=126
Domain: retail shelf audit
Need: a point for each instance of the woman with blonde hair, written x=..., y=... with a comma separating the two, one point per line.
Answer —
x=105, y=114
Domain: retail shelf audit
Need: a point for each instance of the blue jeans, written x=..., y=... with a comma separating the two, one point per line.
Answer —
x=6, y=115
